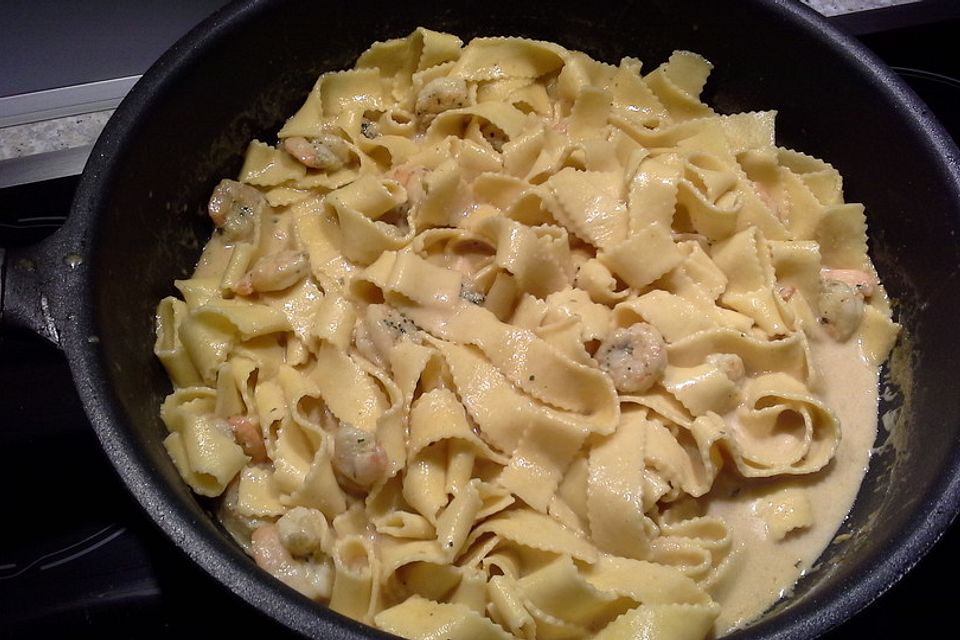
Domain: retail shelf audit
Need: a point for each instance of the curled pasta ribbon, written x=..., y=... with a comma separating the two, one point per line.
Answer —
x=417, y=617
x=697, y=547
x=678, y=82
x=267, y=166
x=493, y=58
x=782, y=428
x=537, y=257
x=536, y=531
x=615, y=487
x=211, y=331
x=205, y=454
x=169, y=346
x=358, y=207
x=662, y=621
x=590, y=205
x=789, y=354
x=745, y=259
x=355, y=585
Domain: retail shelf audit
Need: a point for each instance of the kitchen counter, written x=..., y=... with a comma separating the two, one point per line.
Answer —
x=67, y=140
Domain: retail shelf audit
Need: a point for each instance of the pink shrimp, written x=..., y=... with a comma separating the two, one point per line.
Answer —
x=411, y=177
x=274, y=272
x=635, y=357
x=439, y=95
x=233, y=206
x=861, y=281
x=841, y=309
x=328, y=151
x=247, y=432
x=358, y=456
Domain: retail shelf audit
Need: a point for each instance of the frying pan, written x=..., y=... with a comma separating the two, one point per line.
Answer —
x=138, y=223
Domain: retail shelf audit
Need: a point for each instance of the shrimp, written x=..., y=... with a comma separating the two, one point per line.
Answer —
x=358, y=456
x=312, y=579
x=327, y=151
x=861, y=281
x=411, y=177
x=248, y=436
x=841, y=309
x=635, y=357
x=439, y=95
x=303, y=531
x=841, y=300
x=233, y=207
x=274, y=272
x=730, y=364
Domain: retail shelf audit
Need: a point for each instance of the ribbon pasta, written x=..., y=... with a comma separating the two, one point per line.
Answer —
x=472, y=343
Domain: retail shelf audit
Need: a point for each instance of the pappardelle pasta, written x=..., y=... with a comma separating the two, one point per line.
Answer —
x=505, y=341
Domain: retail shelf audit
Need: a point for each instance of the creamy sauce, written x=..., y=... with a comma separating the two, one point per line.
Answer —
x=764, y=570
x=214, y=259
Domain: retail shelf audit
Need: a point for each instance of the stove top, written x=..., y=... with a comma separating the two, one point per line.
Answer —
x=79, y=556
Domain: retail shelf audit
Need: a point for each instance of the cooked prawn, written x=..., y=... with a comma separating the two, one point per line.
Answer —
x=233, y=207
x=635, y=357
x=358, y=456
x=730, y=364
x=861, y=281
x=246, y=430
x=327, y=151
x=439, y=95
x=841, y=309
x=411, y=177
x=274, y=272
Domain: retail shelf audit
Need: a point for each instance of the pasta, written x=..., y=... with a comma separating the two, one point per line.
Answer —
x=492, y=338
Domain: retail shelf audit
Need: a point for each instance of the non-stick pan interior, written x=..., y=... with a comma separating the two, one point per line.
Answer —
x=141, y=205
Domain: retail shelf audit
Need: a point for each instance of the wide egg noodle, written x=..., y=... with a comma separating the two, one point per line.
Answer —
x=414, y=425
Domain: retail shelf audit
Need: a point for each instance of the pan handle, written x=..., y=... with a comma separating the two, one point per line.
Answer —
x=31, y=286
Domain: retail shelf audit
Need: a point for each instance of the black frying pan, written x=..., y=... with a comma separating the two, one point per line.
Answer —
x=137, y=224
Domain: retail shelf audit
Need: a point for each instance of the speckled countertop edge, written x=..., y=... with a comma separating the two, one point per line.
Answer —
x=76, y=131
x=837, y=7
x=52, y=135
